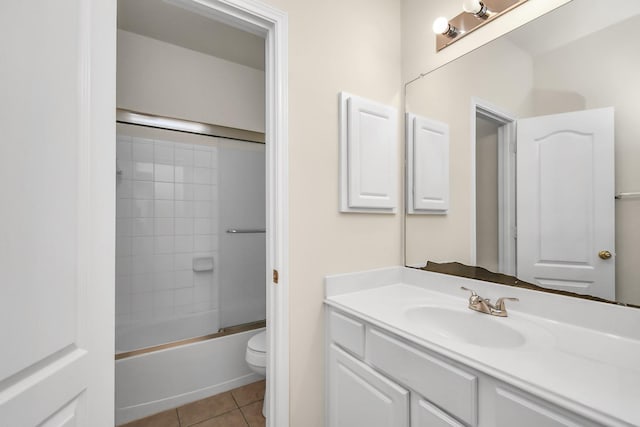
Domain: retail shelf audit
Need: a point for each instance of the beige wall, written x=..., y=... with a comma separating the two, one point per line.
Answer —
x=334, y=46
x=445, y=95
x=167, y=80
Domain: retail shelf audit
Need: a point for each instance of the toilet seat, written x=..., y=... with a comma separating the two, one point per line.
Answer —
x=258, y=342
x=257, y=350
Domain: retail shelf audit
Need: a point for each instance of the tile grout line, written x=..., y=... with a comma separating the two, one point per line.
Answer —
x=243, y=417
x=240, y=409
x=211, y=418
x=222, y=413
x=234, y=399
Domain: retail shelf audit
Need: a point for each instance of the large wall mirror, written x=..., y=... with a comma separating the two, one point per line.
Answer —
x=544, y=127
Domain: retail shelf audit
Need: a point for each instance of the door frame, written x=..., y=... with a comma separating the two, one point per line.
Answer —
x=507, y=231
x=272, y=24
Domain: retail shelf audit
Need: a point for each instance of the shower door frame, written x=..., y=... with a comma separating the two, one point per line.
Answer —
x=271, y=24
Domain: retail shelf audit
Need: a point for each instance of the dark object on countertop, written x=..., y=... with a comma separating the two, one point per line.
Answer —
x=479, y=273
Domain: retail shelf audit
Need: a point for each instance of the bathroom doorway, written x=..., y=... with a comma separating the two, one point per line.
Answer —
x=494, y=188
x=198, y=232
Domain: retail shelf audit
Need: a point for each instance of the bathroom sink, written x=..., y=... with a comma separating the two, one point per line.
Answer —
x=466, y=326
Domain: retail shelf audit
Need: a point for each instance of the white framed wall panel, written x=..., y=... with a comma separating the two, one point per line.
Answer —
x=427, y=165
x=368, y=156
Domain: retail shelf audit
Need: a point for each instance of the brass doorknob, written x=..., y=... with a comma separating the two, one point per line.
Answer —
x=604, y=254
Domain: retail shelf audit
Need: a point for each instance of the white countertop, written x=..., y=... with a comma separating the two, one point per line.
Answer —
x=578, y=354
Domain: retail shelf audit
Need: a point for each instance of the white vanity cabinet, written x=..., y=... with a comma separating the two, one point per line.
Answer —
x=375, y=378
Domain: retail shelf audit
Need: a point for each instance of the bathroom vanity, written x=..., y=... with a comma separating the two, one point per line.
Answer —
x=404, y=349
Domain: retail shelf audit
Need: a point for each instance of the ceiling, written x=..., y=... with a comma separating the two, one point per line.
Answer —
x=162, y=21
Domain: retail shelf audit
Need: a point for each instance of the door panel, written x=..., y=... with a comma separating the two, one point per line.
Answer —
x=45, y=391
x=427, y=165
x=56, y=224
x=369, y=156
x=40, y=245
x=565, y=179
x=354, y=386
x=565, y=196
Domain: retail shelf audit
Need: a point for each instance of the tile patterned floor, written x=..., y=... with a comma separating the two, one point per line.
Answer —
x=240, y=407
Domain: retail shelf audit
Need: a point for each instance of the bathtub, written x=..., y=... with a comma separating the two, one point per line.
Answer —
x=164, y=379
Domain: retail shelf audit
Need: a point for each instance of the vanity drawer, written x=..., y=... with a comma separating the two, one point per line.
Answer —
x=347, y=332
x=450, y=388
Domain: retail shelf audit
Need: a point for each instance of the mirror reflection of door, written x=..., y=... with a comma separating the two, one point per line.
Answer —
x=563, y=221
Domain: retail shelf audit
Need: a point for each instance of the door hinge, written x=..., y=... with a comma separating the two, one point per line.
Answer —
x=275, y=276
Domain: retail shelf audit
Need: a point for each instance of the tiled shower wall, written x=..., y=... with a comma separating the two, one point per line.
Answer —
x=166, y=216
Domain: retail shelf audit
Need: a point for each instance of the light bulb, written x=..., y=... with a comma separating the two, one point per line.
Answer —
x=472, y=6
x=441, y=25
x=476, y=7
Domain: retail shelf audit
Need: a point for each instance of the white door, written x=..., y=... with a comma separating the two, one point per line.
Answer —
x=565, y=201
x=57, y=89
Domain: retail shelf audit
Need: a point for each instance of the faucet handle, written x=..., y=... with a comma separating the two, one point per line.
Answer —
x=473, y=293
x=500, y=302
x=474, y=298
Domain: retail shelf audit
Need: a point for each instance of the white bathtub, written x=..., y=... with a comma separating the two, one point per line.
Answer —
x=164, y=379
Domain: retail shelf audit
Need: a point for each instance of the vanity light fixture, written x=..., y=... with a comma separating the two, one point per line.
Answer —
x=476, y=14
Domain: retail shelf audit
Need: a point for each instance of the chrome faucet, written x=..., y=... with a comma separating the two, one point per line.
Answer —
x=477, y=303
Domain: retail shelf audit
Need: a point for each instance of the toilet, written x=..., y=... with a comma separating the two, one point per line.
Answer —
x=256, y=357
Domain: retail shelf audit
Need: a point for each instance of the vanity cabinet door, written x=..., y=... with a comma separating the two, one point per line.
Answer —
x=359, y=396
x=425, y=414
x=516, y=409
